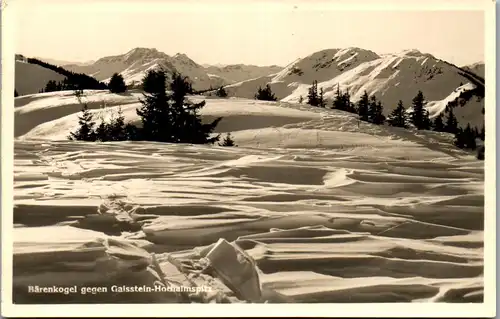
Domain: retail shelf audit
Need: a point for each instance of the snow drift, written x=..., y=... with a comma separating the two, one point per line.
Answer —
x=316, y=206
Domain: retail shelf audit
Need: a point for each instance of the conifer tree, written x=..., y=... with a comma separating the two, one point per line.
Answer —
x=132, y=133
x=301, y=99
x=378, y=116
x=117, y=84
x=469, y=138
x=221, y=92
x=438, y=124
x=363, y=107
x=338, y=99
x=347, y=105
x=265, y=94
x=451, y=122
x=102, y=132
x=152, y=79
x=419, y=115
x=117, y=127
x=170, y=118
x=482, y=134
x=459, y=138
x=155, y=111
x=372, y=108
x=321, y=98
x=188, y=126
x=398, y=117
x=86, y=130
x=228, y=141
x=312, y=95
x=51, y=86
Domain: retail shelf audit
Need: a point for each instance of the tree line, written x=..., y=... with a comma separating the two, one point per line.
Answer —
x=165, y=117
x=73, y=81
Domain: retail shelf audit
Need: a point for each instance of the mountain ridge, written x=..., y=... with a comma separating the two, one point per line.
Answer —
x=134, y=64
x=390, y=77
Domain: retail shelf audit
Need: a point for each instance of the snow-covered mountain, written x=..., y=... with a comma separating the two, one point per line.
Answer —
x=134, y=64
x=477, y=68
x=390, y=77
x=234, y=73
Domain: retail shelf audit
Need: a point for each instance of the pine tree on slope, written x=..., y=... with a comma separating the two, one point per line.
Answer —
x=398, y=117
x=152, y=79
x=419, y=115
x=321, y=98
x=363, y=107
x=117, y=127
x=378, y=116
x=265, y=94
x=228, y=141
x=221, y=92
x=347, y=105
x=169, y=118
x=338, y=100
x=117, y=84
x=312, y=94
x=438, y=124
x=86, y=130
x=451, y=122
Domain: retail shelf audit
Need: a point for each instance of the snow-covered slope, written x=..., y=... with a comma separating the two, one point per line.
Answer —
x=330, y=210
x=390, y=77
x=253, y=123
x=31, y=78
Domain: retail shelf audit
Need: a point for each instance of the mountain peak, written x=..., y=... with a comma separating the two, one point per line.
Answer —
x=415, y=53
x=142, y=53
x=141, y=50
x=184, y=59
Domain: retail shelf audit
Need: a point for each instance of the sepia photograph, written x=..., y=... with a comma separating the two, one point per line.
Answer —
x=264, y=152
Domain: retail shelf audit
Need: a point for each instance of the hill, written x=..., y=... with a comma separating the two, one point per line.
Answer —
x=31, y=78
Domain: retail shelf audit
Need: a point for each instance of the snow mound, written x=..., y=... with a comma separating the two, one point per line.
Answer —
x=319, y=225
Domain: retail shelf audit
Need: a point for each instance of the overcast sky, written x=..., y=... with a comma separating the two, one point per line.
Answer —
x=257, y=32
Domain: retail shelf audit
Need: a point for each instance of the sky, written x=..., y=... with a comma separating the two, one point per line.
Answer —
x=258, y=32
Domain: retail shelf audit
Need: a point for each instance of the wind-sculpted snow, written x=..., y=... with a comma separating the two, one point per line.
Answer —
x=367, y=219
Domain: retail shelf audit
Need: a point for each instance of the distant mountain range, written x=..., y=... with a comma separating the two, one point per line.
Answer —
x=134, y=64
x=390, y=77
x=62, y=62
